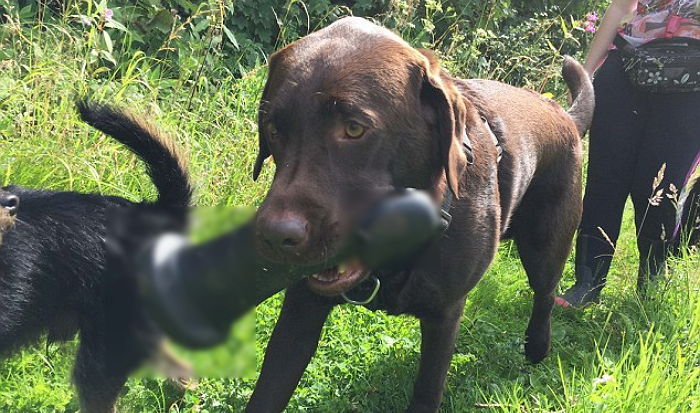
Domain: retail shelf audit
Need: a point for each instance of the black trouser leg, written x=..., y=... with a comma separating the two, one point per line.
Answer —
x=616, y=131
x=652, y=260
x=670, y=144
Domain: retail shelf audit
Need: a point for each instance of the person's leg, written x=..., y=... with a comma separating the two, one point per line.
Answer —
x=687, y=231
x=668, y=150
x=618, y=122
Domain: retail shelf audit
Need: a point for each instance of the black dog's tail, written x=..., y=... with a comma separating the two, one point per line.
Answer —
x=164, y=164
x=582, y=95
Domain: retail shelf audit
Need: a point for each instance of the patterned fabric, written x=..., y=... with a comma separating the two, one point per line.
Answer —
x=653, y=18
x=672, y=66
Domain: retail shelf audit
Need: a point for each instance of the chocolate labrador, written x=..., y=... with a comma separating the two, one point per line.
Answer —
x=352, y=111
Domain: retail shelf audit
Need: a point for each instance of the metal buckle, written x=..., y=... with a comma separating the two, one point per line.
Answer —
x=446, y=219
x=369, y=299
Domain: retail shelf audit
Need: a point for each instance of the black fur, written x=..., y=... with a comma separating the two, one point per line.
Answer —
x=58, y=276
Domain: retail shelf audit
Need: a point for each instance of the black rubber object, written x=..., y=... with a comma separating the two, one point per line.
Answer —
x=196, y=292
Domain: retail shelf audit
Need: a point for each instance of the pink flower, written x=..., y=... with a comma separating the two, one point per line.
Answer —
x=589, y=27
x=590, y=22
x=108, y=13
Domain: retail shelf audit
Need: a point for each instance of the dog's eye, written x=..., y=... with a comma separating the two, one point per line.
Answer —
x=354, y=130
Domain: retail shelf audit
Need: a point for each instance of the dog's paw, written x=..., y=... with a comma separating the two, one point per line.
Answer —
x=537, y=347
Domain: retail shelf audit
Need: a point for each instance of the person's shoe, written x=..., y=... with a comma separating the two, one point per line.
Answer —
x=591, y=273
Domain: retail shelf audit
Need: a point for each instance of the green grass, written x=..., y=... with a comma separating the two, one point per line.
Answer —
x=649, y=350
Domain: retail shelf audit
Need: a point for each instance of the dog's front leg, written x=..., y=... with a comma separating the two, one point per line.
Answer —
x=293, y=343
x=438, y=336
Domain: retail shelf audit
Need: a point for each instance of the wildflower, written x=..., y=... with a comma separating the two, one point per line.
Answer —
x=660, y=174
x=589, y=26
x=85, y=20
x=108, y=13
x=657, y=198
x=590, y=22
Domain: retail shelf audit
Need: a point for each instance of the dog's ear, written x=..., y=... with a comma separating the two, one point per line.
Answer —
x=263, y=145
x=440, y=95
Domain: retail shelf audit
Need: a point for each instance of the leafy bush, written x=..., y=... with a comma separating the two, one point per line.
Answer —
x=198, y=42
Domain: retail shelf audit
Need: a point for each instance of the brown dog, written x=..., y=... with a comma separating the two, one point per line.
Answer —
x=352, y=111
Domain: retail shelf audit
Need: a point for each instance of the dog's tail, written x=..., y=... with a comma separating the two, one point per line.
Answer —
x=582, y=95
x=164, y=164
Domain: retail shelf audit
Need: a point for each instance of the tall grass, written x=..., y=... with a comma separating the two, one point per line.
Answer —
x=625, y=354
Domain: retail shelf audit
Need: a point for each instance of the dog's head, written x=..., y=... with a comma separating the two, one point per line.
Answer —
x=9, y=203
x=349, y=113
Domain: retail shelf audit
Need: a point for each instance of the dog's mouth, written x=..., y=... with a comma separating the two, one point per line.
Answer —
x=339, y=279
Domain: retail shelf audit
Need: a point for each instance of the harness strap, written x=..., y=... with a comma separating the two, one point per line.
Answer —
x=494, y=138
x=468, y=149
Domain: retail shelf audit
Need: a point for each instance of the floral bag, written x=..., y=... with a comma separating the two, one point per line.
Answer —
x=666, y=65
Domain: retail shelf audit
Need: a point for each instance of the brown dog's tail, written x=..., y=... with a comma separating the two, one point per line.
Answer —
x=582, y=94
x=164, y=164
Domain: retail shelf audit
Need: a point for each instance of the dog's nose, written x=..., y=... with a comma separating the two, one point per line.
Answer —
x=10, y=202
x=286, y=235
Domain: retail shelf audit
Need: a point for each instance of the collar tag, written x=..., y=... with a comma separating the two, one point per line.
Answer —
x=371, y=284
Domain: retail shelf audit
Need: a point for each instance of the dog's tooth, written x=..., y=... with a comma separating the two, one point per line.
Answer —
x=342, y=268
x=316, y=276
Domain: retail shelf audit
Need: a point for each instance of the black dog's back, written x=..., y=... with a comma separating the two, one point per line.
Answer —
x=49, y=261
x=55, y=273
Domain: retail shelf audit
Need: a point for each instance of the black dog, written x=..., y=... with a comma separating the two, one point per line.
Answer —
x=57, y=277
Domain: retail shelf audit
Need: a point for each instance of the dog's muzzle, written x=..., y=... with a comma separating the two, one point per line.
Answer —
x=196, y=292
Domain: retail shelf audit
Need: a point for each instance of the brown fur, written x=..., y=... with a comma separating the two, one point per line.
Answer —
x=6, y=222
x=414, y=114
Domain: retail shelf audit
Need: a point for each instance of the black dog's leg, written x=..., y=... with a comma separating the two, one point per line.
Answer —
x=293, y=343
x=107, y=354
x=437, y=347
x=98, y=386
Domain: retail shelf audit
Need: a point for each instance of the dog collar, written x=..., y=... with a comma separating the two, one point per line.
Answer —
x=368, y=290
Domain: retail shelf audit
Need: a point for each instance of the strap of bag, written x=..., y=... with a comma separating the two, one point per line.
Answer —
x=621, y=43
x=673, y=25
